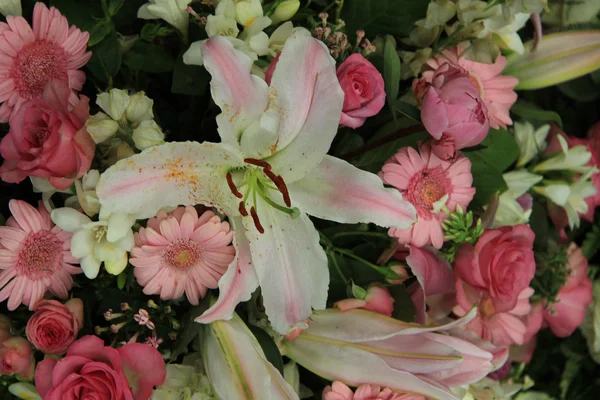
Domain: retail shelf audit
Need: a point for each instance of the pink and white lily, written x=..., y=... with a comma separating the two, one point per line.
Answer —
x=269, y=172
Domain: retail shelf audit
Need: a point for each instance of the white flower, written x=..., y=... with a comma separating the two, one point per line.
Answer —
x=148, y=134
x=11, y=7
x=140, y=108
x=221, y=25
x=24, y=390
x=519, y=182
x=101, y=127
x=172, y=11
x=510, y=212
x=86, y=197
x=569, y=159
x=246, y=11
x=285, y=11
x=43, y=186
x=105, y=241
x=591, y=325
x=114, y=103
x=530, y=142
x=185, y=381
x=491, y=389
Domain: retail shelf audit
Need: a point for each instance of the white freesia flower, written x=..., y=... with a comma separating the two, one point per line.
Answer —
x=569, y=159
x=504, y=28
x=140, y=108
x=24, y=390
x=105, y=241
x=490, y=389
x=221, y=25
x=114, y=103
x=269, y=172
x=85, y=194
x=246, y=11
x=530, y=141
x=510, y=211
x=172, y=11
x=11, y=7
x=101, y=127
x=185, y=382
x=591, y=325
x=519, y=182
x=148, y=134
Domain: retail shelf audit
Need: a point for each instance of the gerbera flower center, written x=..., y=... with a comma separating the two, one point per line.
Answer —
x=182, y=253
x=35, y=64
x=40, y=255
x=426, y=188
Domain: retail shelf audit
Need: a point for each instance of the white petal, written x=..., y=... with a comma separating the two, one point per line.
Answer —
x=119, y=225
x=118, y=265
x=69, y=219
x=90, y=266
x=193, y=55
x=144, y=12
x=170, y=175
x=82, y=243
x=338, y=191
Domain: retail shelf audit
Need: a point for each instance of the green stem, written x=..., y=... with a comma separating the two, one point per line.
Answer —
x=338, y=13
x=337, y=266
x=381, y=235
x=348, y=253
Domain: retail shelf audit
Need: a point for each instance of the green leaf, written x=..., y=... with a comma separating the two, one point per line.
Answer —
x=121, y=280
x=391, y=69
x=148, y=57
x=152, y=30
x=106, y=59
x=101, y=30
x=114, y=6
x=499, y=149
x=531, y=112
x=189, y=328
x=395, y=17
x=404, y=308
x=406, y=109
x=350, y=141
x=591, y=243
x=487, y=179
x=581, y=89
x=190, y=80
x=84, y=15
x=268, y=346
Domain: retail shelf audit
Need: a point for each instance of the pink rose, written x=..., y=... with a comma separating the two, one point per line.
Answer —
x=574, y=297
x=54, y=326
x=46, y=140
x=452, y=110
x=16, y=357
x=92, y=370
x=501, y=264
x=376, y=299
x=364, y=92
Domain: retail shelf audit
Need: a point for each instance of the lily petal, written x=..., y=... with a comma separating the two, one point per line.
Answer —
x=172, y=174
x=338, y=191
x=290, y=264
x=238, y=282
x=307, y=94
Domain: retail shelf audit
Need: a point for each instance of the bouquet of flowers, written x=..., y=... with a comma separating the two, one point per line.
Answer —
x=299, y=199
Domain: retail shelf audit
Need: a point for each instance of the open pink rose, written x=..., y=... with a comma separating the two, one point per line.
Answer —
x=54, y=326
x=376, y=299
x=16, y=357
x=452, y=110
x=574, y=297
x=501, y=264
x=364, y=92
x=47, y=140
x=92, y=370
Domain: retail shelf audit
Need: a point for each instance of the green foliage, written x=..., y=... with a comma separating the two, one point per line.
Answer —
x=395, y=17
x=106, y=59
x=391, y=70
x=150, y=31
x=406, y=109
x=404, y=308
x=189, y=328
x=591, y=243
x=459, y=229
x=148, y=57
x=551, y=273
x=583, y=89
x=531, y=112
x=190, y=80
x=268, y=346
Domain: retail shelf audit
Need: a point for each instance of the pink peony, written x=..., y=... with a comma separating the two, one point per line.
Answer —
x=501, y=264
x=339, y=391
x=91, y=370
x=16, y=357
x=377, y=299
x=32, y=58
x=574, y=297
x=35, y=257
x=46, y=140
x=496, y=91
x=364, y=92
x=181, y=252
x=54, y=326
x=452, y=111
x=428, y=183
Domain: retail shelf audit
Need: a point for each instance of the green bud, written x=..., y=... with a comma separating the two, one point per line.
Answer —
x=285, y=11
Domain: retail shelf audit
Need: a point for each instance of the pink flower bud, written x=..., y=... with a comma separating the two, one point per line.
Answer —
x=16, y=357
x=377, y=299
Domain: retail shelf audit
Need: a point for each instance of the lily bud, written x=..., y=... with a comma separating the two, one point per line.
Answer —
x=140, y=108
x=101, y=127
x=148, y=134
x=285, y=11
x=247, y=11
x=114, y=103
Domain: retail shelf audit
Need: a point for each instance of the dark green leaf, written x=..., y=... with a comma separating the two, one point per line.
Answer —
x=499, y=149
x=148, y=57
x=581, y=89
x=350, y=141
x=487, y=179
x=404, y=308
x=391, y=69
x=189, y=79
x=101, y=30
x=121, y=279
x=84, y=15
x=152, y=30
x=591, y=243
x=269, y=347
x=114, y=6
x=530, y=112
x=189, y=328
x=539, y=222
x=406, y=109
x=395, y=17
x=106, y=58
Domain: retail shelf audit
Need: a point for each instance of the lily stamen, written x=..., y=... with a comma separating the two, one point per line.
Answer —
x=281, y=186
x=258, y=163
x=257, y=224
x=232, y=186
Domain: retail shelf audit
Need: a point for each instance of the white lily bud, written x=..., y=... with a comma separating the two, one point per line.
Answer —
x=247, y=11
x=221, y=25
x=172, y=11
x=11, y=7
x=114, y=103
x=140, y=108
x=101, y=127
x=148, y=134
x=570, y=159
x=285, y=11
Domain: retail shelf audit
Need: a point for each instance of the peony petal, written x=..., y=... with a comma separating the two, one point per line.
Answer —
x=433, y=114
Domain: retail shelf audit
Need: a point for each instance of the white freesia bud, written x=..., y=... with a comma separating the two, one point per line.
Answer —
x=148, y=134
x=530, y=141
x=101, y=127
x=570, y=159
x=193, y=55
x=114, y=103
x=11, y=7
x=510, y=210
x=221, y=25
x=86, y=195
x=172, y=11
x=260, y=43
x=519, y=182
x=247, y=11
x=279, y=36
x=140, y=108
x=285, y=11
x=24, y=390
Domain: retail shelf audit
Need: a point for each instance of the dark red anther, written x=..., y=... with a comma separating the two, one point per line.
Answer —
x=243, y=210
x=232, y=187
x=278, y=181
x=258, y=163
x=256, y=220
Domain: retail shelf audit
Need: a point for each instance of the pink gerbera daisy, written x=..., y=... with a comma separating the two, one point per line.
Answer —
x=29, y=59
x=35, y=256
x=429, y=183
x=496, y=91
x=181, y=252
x=339, y=391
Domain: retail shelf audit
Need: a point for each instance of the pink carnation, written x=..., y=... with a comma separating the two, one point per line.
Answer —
x=496, y=90
x=35, y=257
x=339, y=391
x=181, y=252
x=428, y=183
x=32, y=57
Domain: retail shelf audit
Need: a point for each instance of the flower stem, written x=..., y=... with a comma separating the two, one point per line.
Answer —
x=381, y=235
x=348, y=253
x=390, y=138
x=332, y=255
